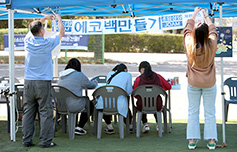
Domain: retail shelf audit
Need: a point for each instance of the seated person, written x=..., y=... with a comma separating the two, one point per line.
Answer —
x=149, y=77
x=121, y=78
x=74, y=80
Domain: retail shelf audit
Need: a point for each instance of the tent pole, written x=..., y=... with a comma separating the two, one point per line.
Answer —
x=55, y=59
x=222, y=85
x=103, y=47
x=55, y=66
x=11, y=73
x=66, y=56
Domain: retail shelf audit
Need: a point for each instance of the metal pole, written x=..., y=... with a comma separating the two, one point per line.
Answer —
x=222, y=85
x=11, y=73
x=55, y=66
x=65, y=56
x=103, y=47
x=55, y=58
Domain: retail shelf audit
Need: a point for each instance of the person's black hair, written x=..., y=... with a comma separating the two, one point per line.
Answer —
x=115, y=68
x=35, y=27
x=118, y=68
x=148, y=71
x=201, y=33
x=74, y=64
x=200, y=39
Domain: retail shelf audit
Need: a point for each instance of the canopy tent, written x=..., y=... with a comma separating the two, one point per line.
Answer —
x=120, y=7
x=133, y=8
x=18, y=14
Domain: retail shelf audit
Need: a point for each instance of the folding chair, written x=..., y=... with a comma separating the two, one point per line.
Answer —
x=5, y=98
x=67, y=103
x=100, y=78
x=232, y=85
x=109, y=95
x=148, y=94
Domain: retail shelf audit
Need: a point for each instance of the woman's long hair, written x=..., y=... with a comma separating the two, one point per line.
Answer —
x=74, y=64
x=148, y=71
x=200, y=38
x=118, y=68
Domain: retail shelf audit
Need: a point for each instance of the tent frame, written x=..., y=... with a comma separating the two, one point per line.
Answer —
x=126, y=9
x=11, y=73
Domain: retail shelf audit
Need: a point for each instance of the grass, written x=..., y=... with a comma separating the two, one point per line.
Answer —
x=173, y=142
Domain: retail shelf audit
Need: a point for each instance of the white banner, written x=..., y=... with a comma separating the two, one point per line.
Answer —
x=129, y=25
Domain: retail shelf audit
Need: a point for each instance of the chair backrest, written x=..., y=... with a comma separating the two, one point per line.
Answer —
x=100, y=78
x=19, y=88
x=66, y=100
x=5, y=81
x=110, y=94
x=148, y=94
x=55, y=80
x=232, y=84
x=6, y=78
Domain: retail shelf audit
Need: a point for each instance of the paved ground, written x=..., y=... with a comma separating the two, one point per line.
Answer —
x=168, y=65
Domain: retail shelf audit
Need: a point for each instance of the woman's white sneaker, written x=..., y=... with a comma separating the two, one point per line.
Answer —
x=80, y=131
x=211, y=146
x=146, y=128
x=191, y=146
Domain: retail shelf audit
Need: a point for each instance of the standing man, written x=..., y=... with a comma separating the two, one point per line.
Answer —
x=37, y=87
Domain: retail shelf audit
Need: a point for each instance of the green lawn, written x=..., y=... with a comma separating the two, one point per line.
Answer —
x=174, y=141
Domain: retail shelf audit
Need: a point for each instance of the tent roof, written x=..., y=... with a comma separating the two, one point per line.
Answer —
x=120, y=7
x=18, y=14
x=19, y=4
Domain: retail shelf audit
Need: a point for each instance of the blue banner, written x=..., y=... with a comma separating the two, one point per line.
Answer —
x=128, y=25
x=76, y=42
x=18, y=42
x=172, y=21
x=5, y=2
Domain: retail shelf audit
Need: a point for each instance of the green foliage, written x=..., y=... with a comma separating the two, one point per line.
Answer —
x=4, y=24
x=152, y=43
x=18, y=59
x=21, y=23
x=91, y=43
x=18, y=23
x=16, y=31
x=5, y=31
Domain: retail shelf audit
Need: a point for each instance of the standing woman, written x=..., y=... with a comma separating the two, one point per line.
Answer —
x=200, y=44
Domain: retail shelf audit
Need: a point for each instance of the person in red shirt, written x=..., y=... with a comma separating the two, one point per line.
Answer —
x=149, y=77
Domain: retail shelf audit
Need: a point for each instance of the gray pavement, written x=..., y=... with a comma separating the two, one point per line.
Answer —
x=168, y=65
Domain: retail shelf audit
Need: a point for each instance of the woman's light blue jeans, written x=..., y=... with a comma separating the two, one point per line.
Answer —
x=209, y=98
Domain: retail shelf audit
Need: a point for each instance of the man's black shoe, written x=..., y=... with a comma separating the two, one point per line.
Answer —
x=52, y=144
x=28, y=144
